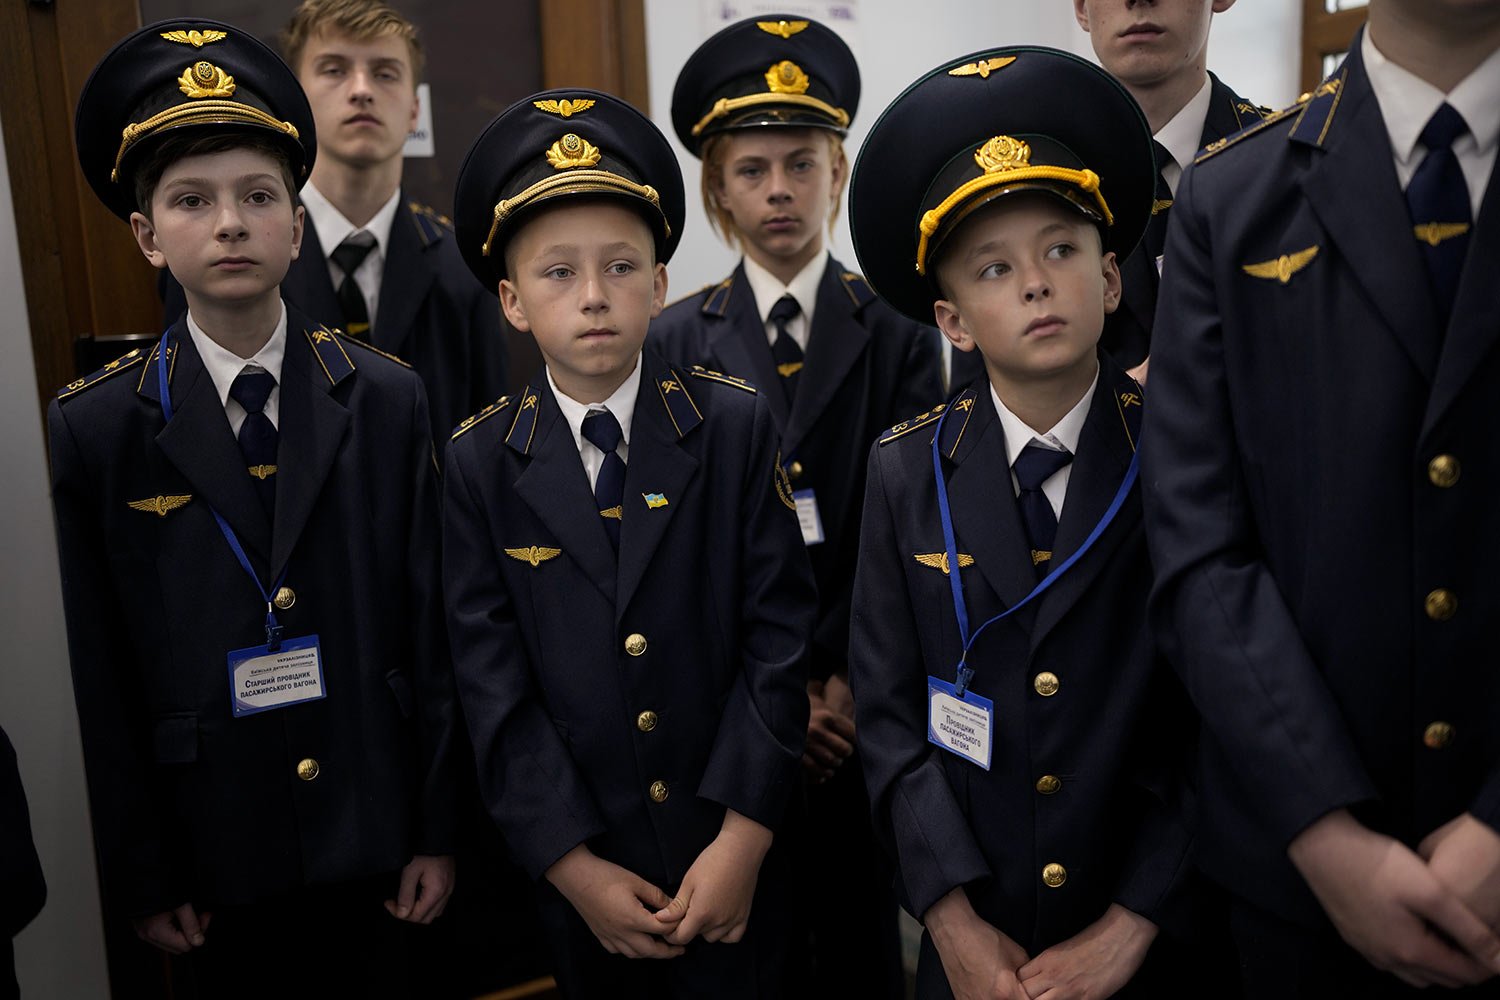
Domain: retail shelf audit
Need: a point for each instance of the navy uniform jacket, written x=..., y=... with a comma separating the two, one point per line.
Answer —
x=1127, y=331
x=867, y=366
x=1322, y=470
x=22, y=888
x=432, y=314
x=1085, y=778
x=628, y=706
x=189, y=803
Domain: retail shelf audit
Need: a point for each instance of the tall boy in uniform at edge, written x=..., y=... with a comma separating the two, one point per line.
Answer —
x=1321, y=468
x=629, y=601
x=1159, y=50
x=375, y=264
x=247, y=519
x=764, y=104
x=1043, y=847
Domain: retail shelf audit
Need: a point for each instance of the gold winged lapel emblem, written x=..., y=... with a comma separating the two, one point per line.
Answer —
x=615, y=513
x=939, y=560
x=262, y=471
x=1433, y=233
x=1160, y=205
x=1282, y=268
x=572, y=151
x=204, y=79
x=159, y=505
x=983, y=68
x=197, y=39
x=534, y=554
x=566, y=108
x=786, y=29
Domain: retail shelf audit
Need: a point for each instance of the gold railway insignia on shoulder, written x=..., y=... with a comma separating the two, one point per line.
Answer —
x=489, y=411
x=123, y=363
x=161, y=506
x=682, y=410
x=784, y=29
x=534, y=554
x=1315, y=111
x=1254, y=128
x=921, y=420
x=939, y=560
x=523, y=425
x=698, y=371
x=328, y=348
x=1282, y=268
x=982, y=69
x=366, y=345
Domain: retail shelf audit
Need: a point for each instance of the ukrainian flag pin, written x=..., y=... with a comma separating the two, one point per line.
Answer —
x=654, y=500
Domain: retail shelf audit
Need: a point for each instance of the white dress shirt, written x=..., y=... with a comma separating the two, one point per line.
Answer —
x=768, y=291
x=333, y=229
x=621, y=403
x=223, y=365
x=1062, y=437
x=1183, y=135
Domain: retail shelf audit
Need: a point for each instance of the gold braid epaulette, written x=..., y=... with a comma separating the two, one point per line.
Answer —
x=698, y=371
x=471, y=422
x=115, y=367
x=371, y=347
x=1219, y=145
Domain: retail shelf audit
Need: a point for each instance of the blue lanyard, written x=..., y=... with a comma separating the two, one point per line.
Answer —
x=960, y=609
x=273, y=628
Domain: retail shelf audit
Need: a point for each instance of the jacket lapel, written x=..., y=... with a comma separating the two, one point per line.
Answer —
x=197, y=440
x=554, y=486
x=311, y=428
x=658, y=465
x=403, y=286
x=307, y=282
x=737, y=338
x=839, y=342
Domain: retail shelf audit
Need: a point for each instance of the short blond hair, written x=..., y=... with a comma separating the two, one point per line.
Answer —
x=714, y=151
x=361, y=20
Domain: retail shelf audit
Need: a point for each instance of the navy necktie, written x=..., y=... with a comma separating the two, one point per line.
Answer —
x=784, y=349
x=1033, y=467
x=1155, y=242
x=257, y=435
x=348, y=255
x=602, y=430
x=1438, y=199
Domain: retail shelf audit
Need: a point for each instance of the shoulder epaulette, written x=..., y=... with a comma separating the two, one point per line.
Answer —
x=115, y=367
x=681, y=408
x=1130, y=401
x=483, y=415
x=371, y=347
x=698, y=371
x=431, y=225
x=858, y=288
x=916, y=423
x=690, y=295
x=328, y=348
x=717, y=303
x=1318, y=108
x=1219, y=145
x=147, y=385
x=523, y=426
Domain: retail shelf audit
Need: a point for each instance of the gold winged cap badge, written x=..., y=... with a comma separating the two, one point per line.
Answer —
x=786, y=29
x=534, y=554
x=567, y=107
x=983, y=68
x=159, y=505
x=1282, y=268
x=197, y=39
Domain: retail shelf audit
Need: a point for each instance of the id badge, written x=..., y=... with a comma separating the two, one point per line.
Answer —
x=961, y=726
x=808, y=517
x=260, y=680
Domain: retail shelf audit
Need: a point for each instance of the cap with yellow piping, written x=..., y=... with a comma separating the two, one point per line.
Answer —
x=983, y=127
x=186, y=75
x=773, y=70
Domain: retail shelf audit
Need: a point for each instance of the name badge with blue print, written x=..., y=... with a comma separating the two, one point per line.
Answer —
x=261, y=679
x=808, y=517
x=960, y=723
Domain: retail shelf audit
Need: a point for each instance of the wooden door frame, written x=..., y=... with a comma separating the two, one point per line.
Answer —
x=1324, y=33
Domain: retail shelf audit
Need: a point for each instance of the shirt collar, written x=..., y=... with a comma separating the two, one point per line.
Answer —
x=223, y=364
x=1407, y=101
x=621, y=403
x=804, y=287
x=332, y=228
x=1183, y=135
x=1064, y=436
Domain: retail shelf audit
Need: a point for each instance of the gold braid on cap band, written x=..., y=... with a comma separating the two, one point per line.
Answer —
x=728, y=105
x=580, y=181
x=197, y=113
x=1085, y=180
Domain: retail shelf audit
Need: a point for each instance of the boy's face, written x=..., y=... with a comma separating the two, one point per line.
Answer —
x=224, y=223
x=363, y=96
x=584, y=282
x=1027, y=285
x=778, y=185
x=1144, y=42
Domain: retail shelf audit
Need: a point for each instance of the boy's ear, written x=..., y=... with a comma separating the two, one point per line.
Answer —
x=949, y=321
x=1081, y=13
x=299, y=218
x=658, y=289
x=510, y=304
x=1112, y=283
x=145, y=238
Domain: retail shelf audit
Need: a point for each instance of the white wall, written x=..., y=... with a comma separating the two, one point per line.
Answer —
x=61, y=954
x=1254, y=48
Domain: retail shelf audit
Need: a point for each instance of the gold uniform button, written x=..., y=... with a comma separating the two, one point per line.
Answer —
x=1048, y=784
x=658, y=791
x=307, y=769
x=285, y=598
x=1046, y=683
x=1444, y=471
x=1438, y=735
x=794, y=471
x=1054, y=875
x=646, y=721
x=635, y=644
x=1441, y=604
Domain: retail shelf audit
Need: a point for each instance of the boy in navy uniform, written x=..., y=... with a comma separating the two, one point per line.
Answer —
x=629, y=602
x=1322, y=470
x=248, y=528
x=1023, y=771
x=764, y=104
